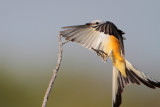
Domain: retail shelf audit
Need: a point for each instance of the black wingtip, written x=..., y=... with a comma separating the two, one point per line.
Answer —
x=121, y=32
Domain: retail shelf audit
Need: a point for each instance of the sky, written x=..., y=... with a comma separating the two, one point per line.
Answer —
x=29, y=43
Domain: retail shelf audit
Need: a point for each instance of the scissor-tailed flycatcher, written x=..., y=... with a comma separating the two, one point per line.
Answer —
x=106, y=40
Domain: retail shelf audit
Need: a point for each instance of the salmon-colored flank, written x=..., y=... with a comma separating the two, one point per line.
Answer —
x=118, y=60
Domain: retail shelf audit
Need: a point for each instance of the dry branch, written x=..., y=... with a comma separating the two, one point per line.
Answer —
x=55, y=71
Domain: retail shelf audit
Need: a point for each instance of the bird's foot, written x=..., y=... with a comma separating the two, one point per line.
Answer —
x=101, y=53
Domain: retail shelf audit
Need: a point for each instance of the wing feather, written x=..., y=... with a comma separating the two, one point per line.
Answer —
x=86, y=35
x=90, y=36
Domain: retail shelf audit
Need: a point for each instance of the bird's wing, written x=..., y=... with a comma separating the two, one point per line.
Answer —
x=87, y=35
x=91, y=36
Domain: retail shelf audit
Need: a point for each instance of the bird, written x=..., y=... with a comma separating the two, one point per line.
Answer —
x=106, y=40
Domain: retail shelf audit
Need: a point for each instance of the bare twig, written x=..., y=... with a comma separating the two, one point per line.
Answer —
x=55, y=71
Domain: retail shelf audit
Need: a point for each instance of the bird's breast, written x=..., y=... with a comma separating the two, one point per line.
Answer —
x=110, y=42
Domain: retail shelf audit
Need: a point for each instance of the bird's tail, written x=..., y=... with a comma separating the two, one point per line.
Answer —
x=133, y=76
x=116, y=87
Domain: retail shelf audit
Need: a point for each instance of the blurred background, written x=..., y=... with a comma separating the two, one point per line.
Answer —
x=29, y=47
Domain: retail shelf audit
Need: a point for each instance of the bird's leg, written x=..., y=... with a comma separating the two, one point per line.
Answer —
x=101, y=53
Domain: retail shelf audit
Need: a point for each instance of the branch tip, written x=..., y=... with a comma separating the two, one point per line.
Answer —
x=55, y=71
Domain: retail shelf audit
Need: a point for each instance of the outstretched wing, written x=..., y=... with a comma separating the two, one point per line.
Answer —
x=86, y=35
x=91, y=36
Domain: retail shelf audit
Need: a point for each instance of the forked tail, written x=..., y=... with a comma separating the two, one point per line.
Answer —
x=133, y=76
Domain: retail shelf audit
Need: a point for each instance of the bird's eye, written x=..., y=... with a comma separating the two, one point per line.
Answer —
x=97, y=23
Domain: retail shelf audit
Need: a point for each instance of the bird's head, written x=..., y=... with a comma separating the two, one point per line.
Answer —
x=95, y=22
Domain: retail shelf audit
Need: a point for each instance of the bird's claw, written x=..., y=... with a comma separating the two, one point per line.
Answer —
x=101, y=53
